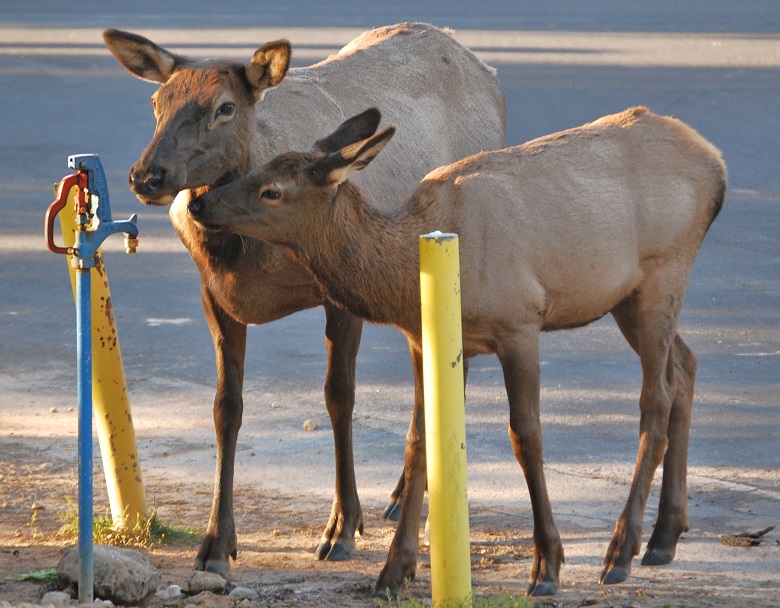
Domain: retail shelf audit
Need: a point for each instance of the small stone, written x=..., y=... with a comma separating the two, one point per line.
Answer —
x=207, y=599
x=170, y=594
x=52, y=410
x=243, y=593
x=58, y=599
x=206, y=581
x=311, y=425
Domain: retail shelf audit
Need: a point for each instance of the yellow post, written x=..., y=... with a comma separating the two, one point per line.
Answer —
x=110, y=402
x=445, y=419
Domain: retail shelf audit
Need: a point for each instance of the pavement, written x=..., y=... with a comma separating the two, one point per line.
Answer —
x=713, y=64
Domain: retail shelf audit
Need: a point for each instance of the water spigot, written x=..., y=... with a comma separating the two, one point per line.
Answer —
x=91, y=201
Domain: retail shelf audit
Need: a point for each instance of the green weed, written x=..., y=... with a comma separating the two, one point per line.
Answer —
x=41, y=576
x=143, y=533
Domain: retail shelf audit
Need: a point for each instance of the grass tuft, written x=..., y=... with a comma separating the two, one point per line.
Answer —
x=41, y=576
x=143, y=533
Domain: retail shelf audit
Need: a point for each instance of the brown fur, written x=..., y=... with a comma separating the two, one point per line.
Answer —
x=557, y=232
x=450, y=105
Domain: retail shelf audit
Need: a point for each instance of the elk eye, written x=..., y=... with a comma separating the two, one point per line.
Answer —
x=226, y=109
x=272, y=194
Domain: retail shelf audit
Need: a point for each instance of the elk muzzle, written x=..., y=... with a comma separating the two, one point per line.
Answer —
x=148, y=185
x=198, y=210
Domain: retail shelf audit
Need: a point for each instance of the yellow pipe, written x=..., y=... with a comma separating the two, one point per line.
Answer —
x=445, y=419
x=110, y=402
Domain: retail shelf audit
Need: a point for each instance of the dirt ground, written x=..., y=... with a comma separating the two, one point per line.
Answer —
x=716, y=69
x=277, y=535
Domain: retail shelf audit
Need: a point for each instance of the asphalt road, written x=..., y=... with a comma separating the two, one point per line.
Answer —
x=713, y=64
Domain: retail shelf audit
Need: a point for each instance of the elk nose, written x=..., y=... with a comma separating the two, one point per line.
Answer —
x=146, y=181
x=194, y=206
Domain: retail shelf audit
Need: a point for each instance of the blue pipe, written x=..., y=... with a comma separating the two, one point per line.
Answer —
x=84, y=356
x=88, y=240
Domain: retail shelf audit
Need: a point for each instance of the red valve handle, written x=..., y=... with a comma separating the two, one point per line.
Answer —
x=63, y=190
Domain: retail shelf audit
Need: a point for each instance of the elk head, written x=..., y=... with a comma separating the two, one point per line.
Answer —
x=284, y=200
x=204, y=111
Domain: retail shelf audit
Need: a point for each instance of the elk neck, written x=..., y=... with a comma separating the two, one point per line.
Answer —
x=367, y=261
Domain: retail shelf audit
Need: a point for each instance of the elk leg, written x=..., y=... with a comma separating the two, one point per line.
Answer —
x=401, y=562
x=520, y=364
x=673, y=504
x=342, y=337
x=648, y=322
x=393, y=509
x=230, y=347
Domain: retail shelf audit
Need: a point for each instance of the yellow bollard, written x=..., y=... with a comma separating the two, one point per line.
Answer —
x=110, y=402
x=445, y=419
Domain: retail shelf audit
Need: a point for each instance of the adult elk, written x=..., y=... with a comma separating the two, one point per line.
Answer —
x=216, y=120
x=555, y=233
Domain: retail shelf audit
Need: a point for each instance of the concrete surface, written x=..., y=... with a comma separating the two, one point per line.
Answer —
x=714, y=64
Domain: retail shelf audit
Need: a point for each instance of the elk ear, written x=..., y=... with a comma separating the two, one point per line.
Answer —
x=357, y=128
x=268, y=66
x=142, y=57
x=338, y=166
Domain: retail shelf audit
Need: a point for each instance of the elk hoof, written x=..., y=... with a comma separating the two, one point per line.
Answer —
x=541, y=588
x=388, y=585
x=392, y=511
x=657, y=557
x=322, y=550
x=387, y=595
x=339, y=552
x=613, y=576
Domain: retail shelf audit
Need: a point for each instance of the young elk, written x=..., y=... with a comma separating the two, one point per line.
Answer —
x=554, y=234
x=218, y=119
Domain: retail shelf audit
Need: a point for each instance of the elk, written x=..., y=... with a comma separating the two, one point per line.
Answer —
x=218, y=119
x=554, y=234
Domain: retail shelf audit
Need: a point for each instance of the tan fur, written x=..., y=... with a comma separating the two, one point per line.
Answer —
x=448, y=102
x=554, y=233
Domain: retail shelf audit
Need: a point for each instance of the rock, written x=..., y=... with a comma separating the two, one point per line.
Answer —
x=58, y=599
x=244, y=593
x=311, y=424
x=169, y=595
x=206, y=581
x=123, y=576
x=207, y=599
